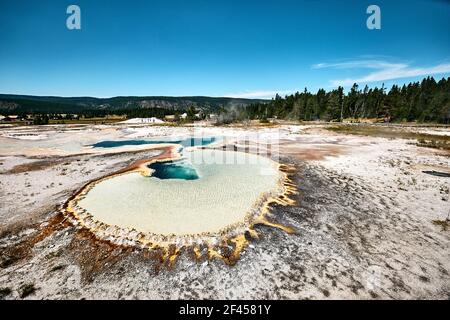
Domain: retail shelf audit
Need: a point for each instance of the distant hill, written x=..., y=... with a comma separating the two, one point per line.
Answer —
x=23, y=103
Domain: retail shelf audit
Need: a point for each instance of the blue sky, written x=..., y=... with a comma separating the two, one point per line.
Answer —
x=243, y=48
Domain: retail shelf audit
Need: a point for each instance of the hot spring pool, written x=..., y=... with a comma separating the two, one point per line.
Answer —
x=180, y=169
x=205, y=192
x=185, y=142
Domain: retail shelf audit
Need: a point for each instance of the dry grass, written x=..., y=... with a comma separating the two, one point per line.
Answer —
x=26, y=290
x=4, y=292
x=435, y=141
x=444, y=224
x=440, y=145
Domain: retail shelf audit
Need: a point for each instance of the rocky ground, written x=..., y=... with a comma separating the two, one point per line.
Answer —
x=370, y=224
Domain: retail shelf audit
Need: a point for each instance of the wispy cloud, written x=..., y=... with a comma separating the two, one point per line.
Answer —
x=384, y=71
x=378, y=70
x=259, y=94
x=368, y=64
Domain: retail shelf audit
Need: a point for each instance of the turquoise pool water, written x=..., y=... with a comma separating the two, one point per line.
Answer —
x=173, y=170
x=187, y=142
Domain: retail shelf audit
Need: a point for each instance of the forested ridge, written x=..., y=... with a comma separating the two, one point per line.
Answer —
x=16, y=104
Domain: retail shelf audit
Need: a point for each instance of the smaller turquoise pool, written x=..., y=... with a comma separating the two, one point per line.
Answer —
x=173, y=170
x=187, y=142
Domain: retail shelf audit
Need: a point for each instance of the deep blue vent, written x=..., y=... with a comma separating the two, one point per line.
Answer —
x=174, y=170
x=189, y=142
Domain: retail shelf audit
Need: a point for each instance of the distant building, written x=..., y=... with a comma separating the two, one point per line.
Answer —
x=151, y=120
x=2, y=117
x=183, y=116
x=170, y=117
x=12, y=118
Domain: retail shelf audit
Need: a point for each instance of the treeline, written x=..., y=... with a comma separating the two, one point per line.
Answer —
x=99, y=113
x=425, y=101
x=131, y=113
